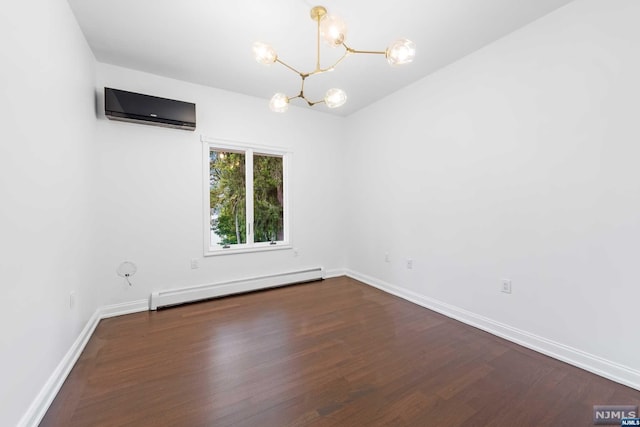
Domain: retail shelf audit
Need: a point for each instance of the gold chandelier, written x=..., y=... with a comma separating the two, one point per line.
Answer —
x=333, y=30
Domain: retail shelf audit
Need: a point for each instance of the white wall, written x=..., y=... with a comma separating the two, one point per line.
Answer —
x=150, y=188
x=519, y=161
x=47, y=122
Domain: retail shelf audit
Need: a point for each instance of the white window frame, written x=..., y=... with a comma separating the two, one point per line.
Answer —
x=209, y=144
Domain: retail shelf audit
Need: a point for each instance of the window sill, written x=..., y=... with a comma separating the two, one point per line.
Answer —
x=230, y=251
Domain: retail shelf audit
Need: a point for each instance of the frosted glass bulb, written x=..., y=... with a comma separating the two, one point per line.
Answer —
x=333, y=30
x=264, y=53
x=400, y=52
x=335, y=98
x=279, y=103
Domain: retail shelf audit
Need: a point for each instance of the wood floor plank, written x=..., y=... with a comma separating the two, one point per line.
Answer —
x=325, y=354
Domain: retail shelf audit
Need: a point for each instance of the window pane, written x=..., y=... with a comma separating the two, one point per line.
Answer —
x=227, y=198
x=268, y=198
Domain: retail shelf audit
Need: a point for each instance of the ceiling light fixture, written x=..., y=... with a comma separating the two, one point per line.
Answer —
x=333, y=30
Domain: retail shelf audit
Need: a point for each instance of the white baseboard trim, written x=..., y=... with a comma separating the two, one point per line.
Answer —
x=43, y=400
x=573, y=356
x=124, y=308
x=39, y=407
x=330, y=274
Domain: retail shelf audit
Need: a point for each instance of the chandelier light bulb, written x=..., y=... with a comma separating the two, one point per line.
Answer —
x=333, y=30
x=279, y=103
x=400, y=52
x=335, y=98
x=264, y=53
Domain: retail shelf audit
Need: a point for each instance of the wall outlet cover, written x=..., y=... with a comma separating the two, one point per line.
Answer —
x=506, y=286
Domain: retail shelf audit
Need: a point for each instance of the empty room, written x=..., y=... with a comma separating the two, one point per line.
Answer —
x=340, y=213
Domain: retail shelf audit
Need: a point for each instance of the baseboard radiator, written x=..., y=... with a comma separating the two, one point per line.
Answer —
x=214, y=290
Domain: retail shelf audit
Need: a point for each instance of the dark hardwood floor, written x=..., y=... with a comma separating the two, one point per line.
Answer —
x=331, y=353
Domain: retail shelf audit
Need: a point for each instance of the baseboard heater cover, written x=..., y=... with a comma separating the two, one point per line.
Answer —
x=213, y=290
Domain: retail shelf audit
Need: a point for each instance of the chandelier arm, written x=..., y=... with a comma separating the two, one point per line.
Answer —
x=289, y=67
x=324, y=70
x=313, y=73
x=373, y=52
x=318, y=47
x=301, y=95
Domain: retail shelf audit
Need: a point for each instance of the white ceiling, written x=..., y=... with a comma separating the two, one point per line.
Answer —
x=209, y=41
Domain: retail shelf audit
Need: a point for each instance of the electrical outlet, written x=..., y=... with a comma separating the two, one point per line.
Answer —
x=194, y=263
x=409, y=264
x=72, y=300
x=386, y=257
x=506, y=286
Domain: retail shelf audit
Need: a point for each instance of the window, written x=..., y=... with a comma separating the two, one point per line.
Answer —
x=246, y=199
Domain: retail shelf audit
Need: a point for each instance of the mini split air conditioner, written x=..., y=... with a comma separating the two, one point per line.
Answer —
x=151, y=110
